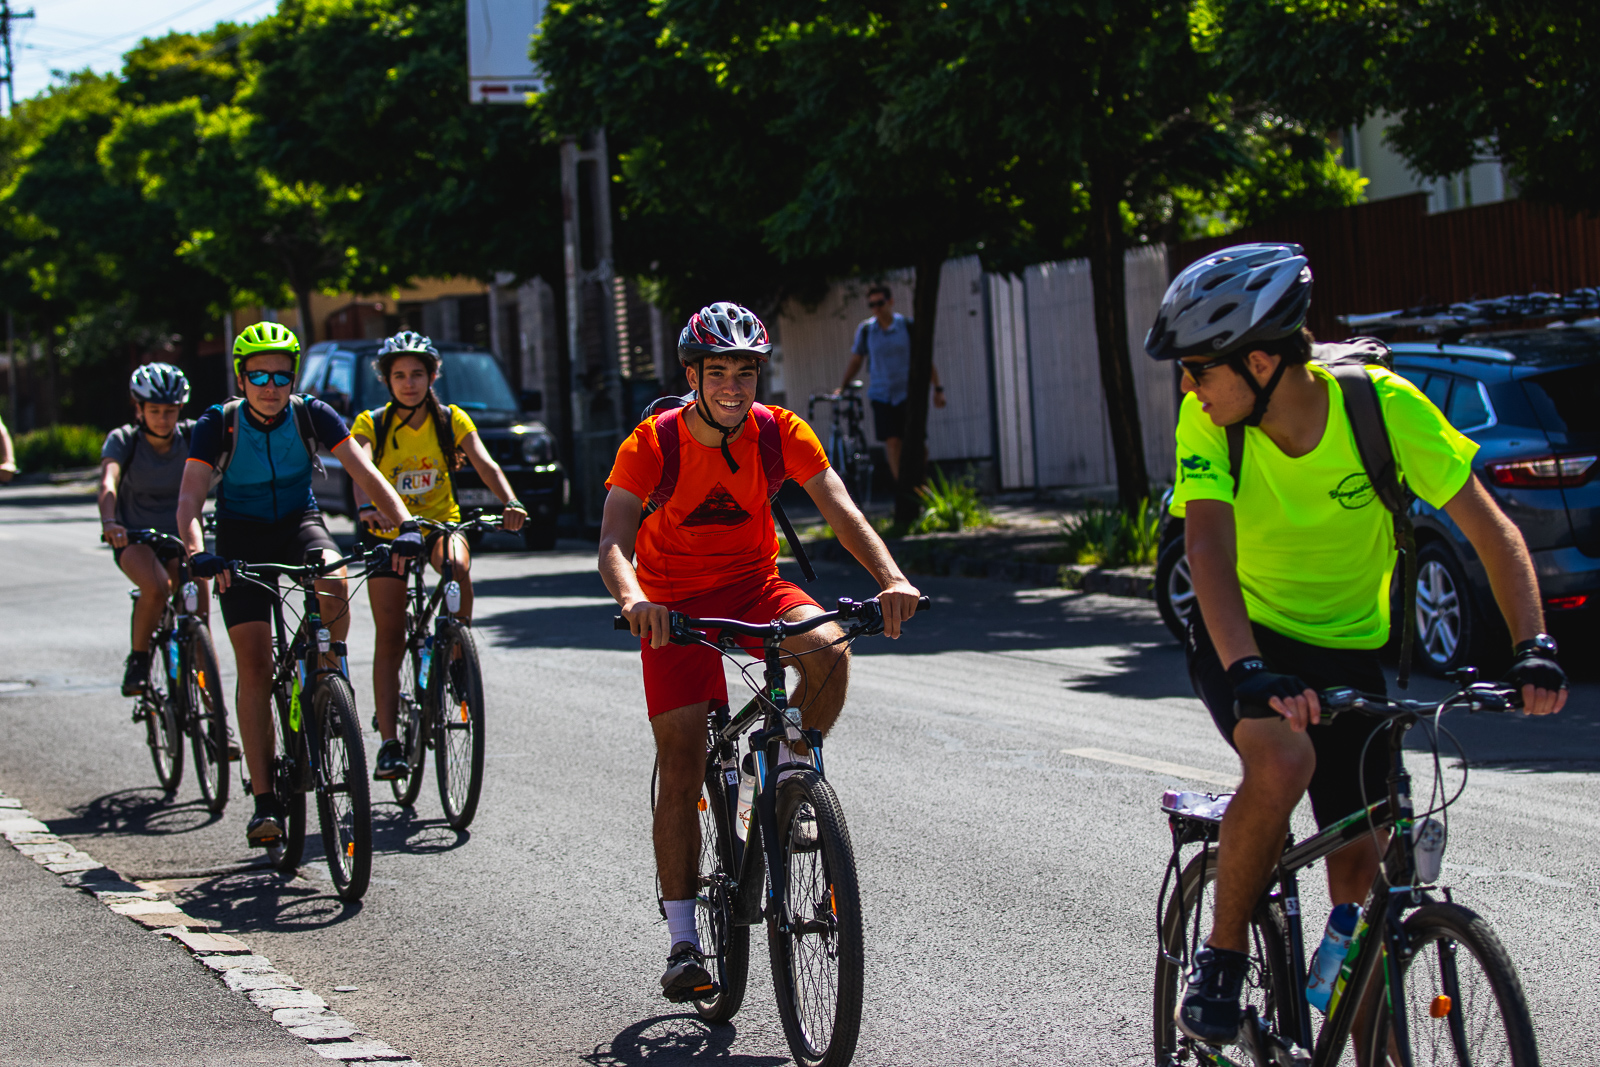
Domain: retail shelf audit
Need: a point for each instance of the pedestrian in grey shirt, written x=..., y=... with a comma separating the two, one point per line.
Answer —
x=884, y=341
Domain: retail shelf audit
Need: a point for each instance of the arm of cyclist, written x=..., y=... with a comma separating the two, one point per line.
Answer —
x=111, y=531
x=366, y=511
x=850, y=373
x=8, y=455
x=898, y=597
x=1212, y=547
x=191, y=501
x=358, y=464
x=619, y=525
x=1516, y=589
x=495, y=478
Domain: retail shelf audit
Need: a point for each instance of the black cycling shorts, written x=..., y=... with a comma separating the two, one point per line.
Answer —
x=889, y=420
x=1336, y=784
x=285, y=542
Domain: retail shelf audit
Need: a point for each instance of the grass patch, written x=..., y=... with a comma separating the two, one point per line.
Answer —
x=1111, y=537
x=57, y=448
x=950, y=505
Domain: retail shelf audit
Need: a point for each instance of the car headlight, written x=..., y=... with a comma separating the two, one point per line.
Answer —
x=537, y=449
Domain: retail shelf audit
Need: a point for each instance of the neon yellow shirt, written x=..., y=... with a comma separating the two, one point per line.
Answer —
x=1316, y=548
x=414, y=464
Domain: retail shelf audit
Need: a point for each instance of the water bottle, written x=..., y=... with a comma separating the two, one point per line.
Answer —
x=1427, y=849
x=747, y=796
x=1329, y=957
x=427, y=657
x=452, y=597
x=172, y=659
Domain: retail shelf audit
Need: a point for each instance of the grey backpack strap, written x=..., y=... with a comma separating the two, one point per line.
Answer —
x=307, y=432
x=230, y=438
x=1235, y=433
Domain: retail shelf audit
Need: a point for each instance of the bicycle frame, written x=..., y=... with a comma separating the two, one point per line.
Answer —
x=173, y=626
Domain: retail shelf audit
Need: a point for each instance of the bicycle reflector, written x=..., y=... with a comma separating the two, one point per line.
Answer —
x=1440, y=1007
x=1544, y=472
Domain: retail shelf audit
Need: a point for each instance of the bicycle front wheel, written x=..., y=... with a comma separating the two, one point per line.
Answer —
x=817, y=955
x=344, y=804
x=726, y=946
x=207, y=718
x=458, y=740
x=286, y=853
x=1463, y=1000
x=409, y=719
x=163, y=723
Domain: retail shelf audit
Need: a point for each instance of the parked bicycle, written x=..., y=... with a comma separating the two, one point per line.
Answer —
x=1425, y=980
x=847, y=441
x=812, y=904
x=319, y=752
x=183, y=694
x=441, y=685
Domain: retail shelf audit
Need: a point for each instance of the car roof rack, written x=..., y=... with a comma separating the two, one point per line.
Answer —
x=1459, y=318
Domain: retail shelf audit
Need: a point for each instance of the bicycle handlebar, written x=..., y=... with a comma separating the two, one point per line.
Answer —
x=479, y=520
x=1478, y=696
x=685, y=630
x=376, y=558
x=157, y=540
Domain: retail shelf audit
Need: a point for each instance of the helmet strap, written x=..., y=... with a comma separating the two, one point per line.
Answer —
x=148, y=432
x=705, y=413
x=1263, y=392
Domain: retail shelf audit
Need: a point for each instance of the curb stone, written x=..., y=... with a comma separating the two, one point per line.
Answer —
x=232, y=962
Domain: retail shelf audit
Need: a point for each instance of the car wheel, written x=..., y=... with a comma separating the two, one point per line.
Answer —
x=539, y=536
x=1447, y=624
x=1174, y=589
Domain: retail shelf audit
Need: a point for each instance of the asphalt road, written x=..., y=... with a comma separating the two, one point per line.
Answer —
x=1009, y=887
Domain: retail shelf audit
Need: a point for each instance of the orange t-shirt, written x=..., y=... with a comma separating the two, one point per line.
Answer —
x=716, y=529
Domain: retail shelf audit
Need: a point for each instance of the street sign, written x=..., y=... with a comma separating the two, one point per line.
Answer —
x=498, y=34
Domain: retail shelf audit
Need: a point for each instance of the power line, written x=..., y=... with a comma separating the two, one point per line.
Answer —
x=10, y=77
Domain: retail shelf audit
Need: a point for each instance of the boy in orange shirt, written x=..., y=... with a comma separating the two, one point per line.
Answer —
x=709, y=549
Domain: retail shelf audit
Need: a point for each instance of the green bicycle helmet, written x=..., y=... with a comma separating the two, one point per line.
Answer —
x=265, y=337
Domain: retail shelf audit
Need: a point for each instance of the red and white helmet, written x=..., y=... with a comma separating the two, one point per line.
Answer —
x=723, y=327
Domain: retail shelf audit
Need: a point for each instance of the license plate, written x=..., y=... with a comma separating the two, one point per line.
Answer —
x=476, y=498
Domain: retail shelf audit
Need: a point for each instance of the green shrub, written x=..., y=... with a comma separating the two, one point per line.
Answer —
x=1110, y=537
x=59, y=448
x=950, y=505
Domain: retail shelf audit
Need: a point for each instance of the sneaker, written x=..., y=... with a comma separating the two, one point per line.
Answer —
x=135, y=673
x=687, y=978
x=266, y=828
x=1210, y=1011
x=391, y=762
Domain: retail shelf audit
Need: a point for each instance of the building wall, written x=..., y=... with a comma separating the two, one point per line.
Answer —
x=1388, y=175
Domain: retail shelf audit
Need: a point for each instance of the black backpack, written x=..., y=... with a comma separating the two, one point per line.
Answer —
x=232, y=412
x=1347, y=361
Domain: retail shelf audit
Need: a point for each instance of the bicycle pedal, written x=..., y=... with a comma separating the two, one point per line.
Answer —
x=140, y=713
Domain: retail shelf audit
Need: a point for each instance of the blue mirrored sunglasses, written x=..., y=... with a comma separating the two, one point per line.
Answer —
x=279, y=378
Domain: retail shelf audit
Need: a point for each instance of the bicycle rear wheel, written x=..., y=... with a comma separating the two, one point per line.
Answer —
x=163, y=722
x=817, y=954
x=344, y=803
x=860, y=470
x=409, y=729
x=726, y=946
x=458, y=740
x=1463, y=1000
x=207, y=717
x=285, y=855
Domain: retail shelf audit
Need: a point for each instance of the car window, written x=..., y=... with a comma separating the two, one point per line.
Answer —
x=1438, y=390
x=1418, y=378
x=341, y=381
x=1467, y=410
x=311, y=369
x=472, y=380
x=1568, y=403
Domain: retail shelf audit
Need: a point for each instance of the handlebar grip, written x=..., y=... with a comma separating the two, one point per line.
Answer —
x=924, y=603
x=619, y=623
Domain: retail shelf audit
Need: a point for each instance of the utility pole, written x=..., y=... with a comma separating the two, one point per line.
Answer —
x=7, y=17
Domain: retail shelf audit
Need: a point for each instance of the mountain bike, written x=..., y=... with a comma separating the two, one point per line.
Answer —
x=319, y=752
x=847, y=442
x=441, y=685
x=1425, y=981
x=812, y=902
x=183, y=691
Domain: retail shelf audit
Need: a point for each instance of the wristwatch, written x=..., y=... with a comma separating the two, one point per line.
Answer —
x=1537, y=645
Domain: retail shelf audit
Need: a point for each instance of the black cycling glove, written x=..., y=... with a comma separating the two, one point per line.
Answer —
x=207, y=565
x=1254, y=686
x=408, y=543
x=1537, y=669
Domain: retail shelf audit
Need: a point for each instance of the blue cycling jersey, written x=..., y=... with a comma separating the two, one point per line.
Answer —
x=269, y=477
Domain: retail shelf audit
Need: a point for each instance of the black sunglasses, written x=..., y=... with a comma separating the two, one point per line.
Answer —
x=1196, y=370
x=279, y=378
x=876, y=303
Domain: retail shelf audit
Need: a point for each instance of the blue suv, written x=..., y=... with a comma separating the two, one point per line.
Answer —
x=1531, y=400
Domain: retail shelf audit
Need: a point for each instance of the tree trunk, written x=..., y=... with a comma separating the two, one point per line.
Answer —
x=1106, y=269
x=914, y=446
x=50, y=410
x=302, y=303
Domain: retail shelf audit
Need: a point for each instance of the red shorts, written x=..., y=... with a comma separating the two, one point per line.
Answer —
x=676, y=676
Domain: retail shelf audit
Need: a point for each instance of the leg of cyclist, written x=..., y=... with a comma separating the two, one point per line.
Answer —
x=461, y=561
x=388, y=598
x=680, y=767
x=140, y=564
x=252, y=702
x=824, y=668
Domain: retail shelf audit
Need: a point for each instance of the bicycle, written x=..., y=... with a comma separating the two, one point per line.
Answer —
x=1413, y=946
x=183, y=690
x=847, y=442
x=320, y=752
x=813, y=912
x=441, y=709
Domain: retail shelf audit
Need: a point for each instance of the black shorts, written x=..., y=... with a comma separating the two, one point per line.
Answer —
x=370, y=541
x=889, y=420
x=1336, y=785
x=285, y=542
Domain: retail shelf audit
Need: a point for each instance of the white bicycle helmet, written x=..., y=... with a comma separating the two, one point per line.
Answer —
x=723, y=327
x=1238, y=296
x=159, y=383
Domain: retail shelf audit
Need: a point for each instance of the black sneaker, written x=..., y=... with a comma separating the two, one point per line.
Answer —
x=135, y=673
x=391, y=762
x=267, y=827
x=687, y=978
x=1210, y=1011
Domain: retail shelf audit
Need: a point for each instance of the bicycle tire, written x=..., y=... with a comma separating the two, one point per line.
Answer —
x=344, y=801
x=820, y=958
x=1269, y=970
x=726, y=946
x=458, y=724
x=411, y=729
x=285, y=855
x=1467, y=1032
x=207, y=717
x=163, y=721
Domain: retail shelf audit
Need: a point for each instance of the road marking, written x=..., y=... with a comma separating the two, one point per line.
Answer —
x=1159, y=766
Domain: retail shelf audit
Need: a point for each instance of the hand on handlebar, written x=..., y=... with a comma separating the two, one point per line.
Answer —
x=204, y=565
x=647, y=619
x=513, y=518
x=406, y=545
x=898, y=602
x=1542, y=683
x=114, y=534
x=1256, y=688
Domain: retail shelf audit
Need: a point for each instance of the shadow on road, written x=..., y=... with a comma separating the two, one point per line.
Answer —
x=397, y=829
x=143, y=812
x=666, y=1040
x=255, y=900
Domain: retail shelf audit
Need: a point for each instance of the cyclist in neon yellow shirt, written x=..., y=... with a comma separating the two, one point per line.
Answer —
x=403, y=437
x=1291, y=572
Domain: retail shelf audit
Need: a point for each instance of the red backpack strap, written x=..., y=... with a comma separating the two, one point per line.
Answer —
x=770, y=437
x=668, y=427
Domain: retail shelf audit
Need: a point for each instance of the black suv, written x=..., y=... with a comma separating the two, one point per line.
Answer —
x=1531, y=400
x=341, y=373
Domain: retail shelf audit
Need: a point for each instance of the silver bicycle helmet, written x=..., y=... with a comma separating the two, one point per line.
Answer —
x=159, y=383
x=723, y=327
x=1234, y=297
x=405, y=343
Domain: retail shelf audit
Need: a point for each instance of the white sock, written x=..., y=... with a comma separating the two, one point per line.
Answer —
x=680, y=922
